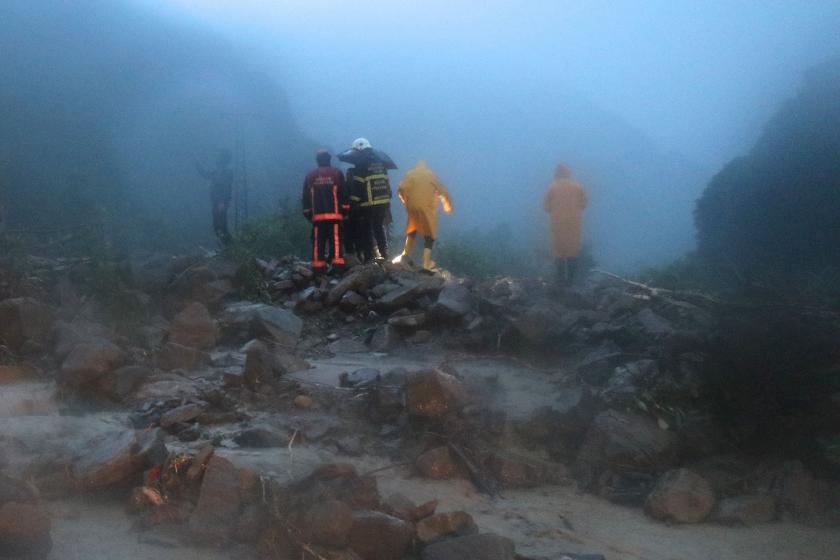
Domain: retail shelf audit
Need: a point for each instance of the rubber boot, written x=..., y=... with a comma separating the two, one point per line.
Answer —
x=428, y=263
x=405, y=257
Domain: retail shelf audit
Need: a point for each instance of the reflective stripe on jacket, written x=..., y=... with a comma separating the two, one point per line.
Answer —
x=325, y=195
x=369, y=185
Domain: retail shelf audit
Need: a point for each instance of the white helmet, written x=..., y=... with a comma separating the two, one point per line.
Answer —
x=361, y=144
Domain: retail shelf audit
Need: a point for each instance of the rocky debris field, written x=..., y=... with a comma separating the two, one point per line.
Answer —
x=607, y=386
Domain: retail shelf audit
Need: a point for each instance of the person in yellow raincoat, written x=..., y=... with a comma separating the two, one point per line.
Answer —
x=565, y=202
x=420, y=190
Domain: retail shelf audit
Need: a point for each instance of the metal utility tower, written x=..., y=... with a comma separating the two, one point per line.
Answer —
x=240, y=181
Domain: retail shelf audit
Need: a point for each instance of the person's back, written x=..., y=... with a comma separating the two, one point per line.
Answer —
x=370, y=198
x=420, y=190
x=565, y=202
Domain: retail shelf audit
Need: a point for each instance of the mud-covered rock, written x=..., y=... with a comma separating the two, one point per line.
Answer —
x=90, y=361
x=486, y=546
x=746, y=510
x=515, y=471
x=17, y=373
x=681, y=496
x=214, y=519
x=432, y=394
x=440, y=464
x=118, y=458
x=329, y=523
x=24, y=320
x=194, y=327
x=378, y=536
x=176, y=356
x=441, y=525
x=24, y=531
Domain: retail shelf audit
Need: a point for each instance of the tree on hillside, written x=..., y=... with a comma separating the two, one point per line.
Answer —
x=775, y=213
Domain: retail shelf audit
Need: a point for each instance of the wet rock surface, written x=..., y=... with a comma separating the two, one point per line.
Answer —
x=603, y=384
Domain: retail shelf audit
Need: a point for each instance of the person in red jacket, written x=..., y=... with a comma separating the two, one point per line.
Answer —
x=326, y=202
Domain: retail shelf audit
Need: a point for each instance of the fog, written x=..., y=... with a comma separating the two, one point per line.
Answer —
x=644, y=101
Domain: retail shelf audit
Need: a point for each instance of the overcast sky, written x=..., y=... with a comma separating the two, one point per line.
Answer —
x=697, y=77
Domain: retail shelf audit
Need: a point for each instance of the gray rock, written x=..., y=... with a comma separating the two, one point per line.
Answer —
x=351, y=301
x=454, y=302
x=261, y=436
x=599, y=365
x=184, y=413
x=652, y=324
x=263, y=321
x=361, y=378
x=118, y=458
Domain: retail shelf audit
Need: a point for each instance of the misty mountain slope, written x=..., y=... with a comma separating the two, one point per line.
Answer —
x=106, y=105
x=774, y=212
x=498, y=155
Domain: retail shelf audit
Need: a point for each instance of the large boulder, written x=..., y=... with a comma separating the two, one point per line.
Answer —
x=561, y=426
x=24, y=320
x=88, y=362
x=260, y=320
x=118, y=458
x=359, y=281
x=485, y=546
x=432, y=394
x=681, y=496
x=24, y=531
x=627, y=442
x=209, y=283
x=439, y=463
x=379, y=536
x=214, y=519
x=194, y=327
x=328, y=523
x=454, y=302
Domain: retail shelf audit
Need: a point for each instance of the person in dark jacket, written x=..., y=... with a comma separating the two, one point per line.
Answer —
x=370, y=200
x=221, y=190
x=326, y=203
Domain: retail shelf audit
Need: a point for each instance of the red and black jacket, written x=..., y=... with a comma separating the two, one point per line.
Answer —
x=325, y=195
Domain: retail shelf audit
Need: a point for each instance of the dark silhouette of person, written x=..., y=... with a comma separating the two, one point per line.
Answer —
x=221, y=191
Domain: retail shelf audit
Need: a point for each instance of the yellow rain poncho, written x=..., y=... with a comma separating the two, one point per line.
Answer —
x=419, y=191
x=565, y=201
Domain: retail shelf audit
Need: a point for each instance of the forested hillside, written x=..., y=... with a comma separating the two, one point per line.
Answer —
x=771, y=217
